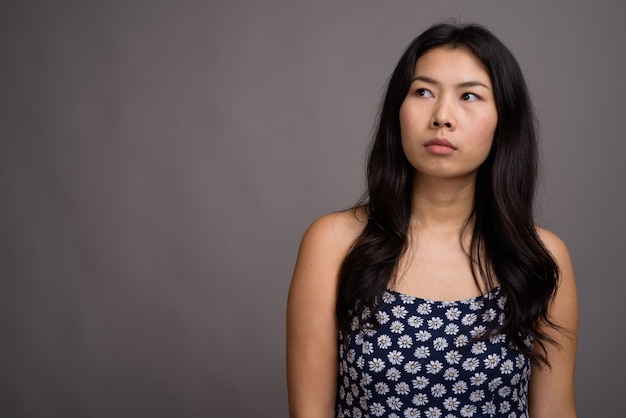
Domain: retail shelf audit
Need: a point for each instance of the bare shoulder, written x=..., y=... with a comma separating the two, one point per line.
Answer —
x=554, y=244
x=558, y=249
x=323, y=248
x=335, y=231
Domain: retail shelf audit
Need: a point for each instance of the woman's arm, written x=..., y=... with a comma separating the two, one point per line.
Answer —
x=312, y=335
x=552, y=388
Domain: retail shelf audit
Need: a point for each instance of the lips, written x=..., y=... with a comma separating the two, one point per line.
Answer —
x=441, y=142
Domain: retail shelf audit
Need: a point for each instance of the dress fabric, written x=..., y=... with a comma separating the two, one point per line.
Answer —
x=424, y=360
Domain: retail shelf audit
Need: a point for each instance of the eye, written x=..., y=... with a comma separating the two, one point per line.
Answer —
x=470, y=97
x=423, y=92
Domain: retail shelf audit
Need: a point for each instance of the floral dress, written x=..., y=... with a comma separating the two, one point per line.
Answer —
x=424, y=360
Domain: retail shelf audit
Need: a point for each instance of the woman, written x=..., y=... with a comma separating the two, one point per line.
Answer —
x=437, y=296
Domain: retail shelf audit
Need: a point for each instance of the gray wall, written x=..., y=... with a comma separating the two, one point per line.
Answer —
x=159, y=162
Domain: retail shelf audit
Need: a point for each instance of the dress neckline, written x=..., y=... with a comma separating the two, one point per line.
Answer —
x=489, y=295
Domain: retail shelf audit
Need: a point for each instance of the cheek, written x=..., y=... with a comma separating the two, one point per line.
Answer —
x=486, y=128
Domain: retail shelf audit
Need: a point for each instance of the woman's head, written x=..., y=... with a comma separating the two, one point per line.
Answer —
x=504, y=242
x=513, y=153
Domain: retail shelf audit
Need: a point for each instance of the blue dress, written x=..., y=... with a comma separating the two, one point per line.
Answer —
x=424, y=360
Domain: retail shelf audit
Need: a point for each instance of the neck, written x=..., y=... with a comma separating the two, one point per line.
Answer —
x=442, y=204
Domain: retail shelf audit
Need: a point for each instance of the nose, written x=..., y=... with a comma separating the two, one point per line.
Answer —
x=446, y=124
x=443, y=116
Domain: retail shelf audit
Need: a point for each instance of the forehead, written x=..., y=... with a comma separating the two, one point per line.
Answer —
x=449, y=63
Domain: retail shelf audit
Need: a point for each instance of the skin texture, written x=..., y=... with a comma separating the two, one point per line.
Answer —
x=444, y=102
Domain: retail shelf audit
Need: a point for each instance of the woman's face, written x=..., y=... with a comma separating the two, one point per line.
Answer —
x=449, y=116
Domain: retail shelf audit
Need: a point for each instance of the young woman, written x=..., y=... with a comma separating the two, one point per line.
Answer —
x=437, y=296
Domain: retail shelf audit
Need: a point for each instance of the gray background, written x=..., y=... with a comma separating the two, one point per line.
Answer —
x=159, y=162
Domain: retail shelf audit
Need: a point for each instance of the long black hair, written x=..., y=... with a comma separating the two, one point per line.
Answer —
x=504, y=242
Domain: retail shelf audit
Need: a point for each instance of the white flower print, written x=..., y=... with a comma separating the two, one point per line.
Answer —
x=515, y=379
x=434, y=367
x=435, y=323
x=440, y=344
x=489, y=408
x=461, y=340
x=366, y=379
x=468, y=410
x=424, y=308
x=528, y=341
x=452, y=329
x=494, y=383
x=377, y=409
x=388, y=298
x=453, y=314
x=479, y=347
x=376, y=365
x=354, y=325
x=451, y=373
x=469, y=319
x=453, y=357
x=411, y=413
x=422, y=335
x=459, y=387
x=381, y=388
x=476, y=304
x=420, y=399
x=478, y=331
x=477, y=395
x=489, y=315
x=506, y=367
x=415, y=321
x=504, y=391
x=470, y=364
x=433, y=412
x=366, y=313
x=391, y=370
x=393, y=374
x=403, y=388
x=422, y=352
x=399, y=311
x=492, y=361
x=412, y=367
x=438, y=390
x=382, y=317
x=397, y=327
x=420, y=382
x=505, y=407
x=383, y=342
x=370, y=331
x=395, y=357
x=394, y=403
x=478, y=379
x=405, y=341
x=451, y=404
x=360, y=362
x=407, y=299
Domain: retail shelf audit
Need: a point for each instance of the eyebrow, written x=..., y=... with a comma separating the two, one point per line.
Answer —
x=469, y=83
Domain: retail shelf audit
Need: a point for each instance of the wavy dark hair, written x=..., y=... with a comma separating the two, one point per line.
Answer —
x=504, y=242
